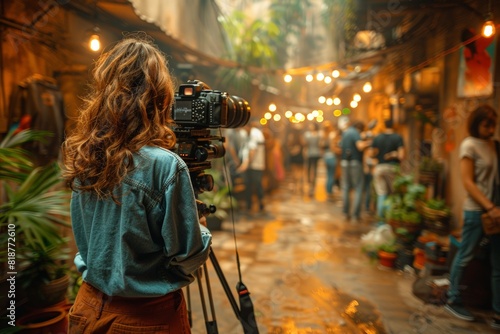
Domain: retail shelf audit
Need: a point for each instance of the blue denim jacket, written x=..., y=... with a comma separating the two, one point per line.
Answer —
x=150, y=244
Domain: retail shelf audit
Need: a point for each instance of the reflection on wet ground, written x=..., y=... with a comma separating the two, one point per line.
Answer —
x=306, y=273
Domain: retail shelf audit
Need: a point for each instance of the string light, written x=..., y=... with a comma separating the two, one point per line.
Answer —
x=489, y=26
x=367, y=87
x=488, y=29
x=94, y=41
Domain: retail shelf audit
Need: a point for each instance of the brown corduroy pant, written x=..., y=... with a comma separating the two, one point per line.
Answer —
x=95, y=312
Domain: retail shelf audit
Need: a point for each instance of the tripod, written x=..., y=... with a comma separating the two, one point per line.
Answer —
x=244, y=313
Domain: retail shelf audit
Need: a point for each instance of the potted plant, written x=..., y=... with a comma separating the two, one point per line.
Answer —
x=401, y=205
x=387, y=254
x=35, y=207
x=437, y=215
x=45, y=278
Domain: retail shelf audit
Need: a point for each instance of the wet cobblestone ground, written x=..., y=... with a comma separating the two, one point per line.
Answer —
x=306, y=273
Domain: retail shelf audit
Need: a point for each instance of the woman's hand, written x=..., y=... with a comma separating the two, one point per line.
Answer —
x=495, y=214
x=203, y=221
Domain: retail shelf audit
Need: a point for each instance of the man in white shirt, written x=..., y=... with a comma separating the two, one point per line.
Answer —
x=254, y=164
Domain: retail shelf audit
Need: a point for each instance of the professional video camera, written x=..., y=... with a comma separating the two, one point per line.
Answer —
x=197, y=112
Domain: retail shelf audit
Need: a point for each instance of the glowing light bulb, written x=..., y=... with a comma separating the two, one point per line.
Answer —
x=488, y=29
x=94, y=43
x=367, y=87
x=288, y=78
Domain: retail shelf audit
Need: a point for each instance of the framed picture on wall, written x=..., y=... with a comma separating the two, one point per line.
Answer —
x=476, y=65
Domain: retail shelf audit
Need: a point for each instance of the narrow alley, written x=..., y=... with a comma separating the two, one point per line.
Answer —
x=306, y=273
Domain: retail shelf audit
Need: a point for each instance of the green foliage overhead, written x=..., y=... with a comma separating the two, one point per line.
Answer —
x=251, y=45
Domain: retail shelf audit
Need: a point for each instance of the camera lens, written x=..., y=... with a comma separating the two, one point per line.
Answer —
x=238, y=112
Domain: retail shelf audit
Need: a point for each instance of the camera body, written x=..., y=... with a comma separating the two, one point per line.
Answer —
x=200, y=108
x=197, y=106
x=197, y=112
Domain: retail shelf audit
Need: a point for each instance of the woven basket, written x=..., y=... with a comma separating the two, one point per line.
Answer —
x=410, y=227
x=433, y=214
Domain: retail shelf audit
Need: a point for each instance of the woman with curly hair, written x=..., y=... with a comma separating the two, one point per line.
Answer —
x=133, y=207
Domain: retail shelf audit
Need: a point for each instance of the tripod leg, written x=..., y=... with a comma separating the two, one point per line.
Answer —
x=225, y=286
x=246, y=315
x=189, y=309
x=210, y=325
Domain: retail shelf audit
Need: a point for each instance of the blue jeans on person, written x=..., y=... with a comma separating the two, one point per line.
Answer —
x=472, y=233
x=331, y=166
x=253, y=186
x=312, y=172
x=367, y=189
x=352, y=179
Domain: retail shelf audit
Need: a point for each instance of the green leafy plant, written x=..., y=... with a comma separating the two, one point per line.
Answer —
x=437, y=204
x=219, y=196
x=389, y=248
x=35, y=207
x=402, y=203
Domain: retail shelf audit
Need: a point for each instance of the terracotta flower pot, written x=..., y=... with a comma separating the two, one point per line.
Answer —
x=387, y=259
x=44, y=321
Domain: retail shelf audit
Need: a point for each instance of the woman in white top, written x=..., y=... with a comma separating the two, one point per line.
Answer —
x=478, y=165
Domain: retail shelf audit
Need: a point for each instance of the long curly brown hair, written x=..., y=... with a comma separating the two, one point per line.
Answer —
x=128, y=107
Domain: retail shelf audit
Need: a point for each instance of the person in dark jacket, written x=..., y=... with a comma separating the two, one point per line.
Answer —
x=351, y=164
x=388, y=150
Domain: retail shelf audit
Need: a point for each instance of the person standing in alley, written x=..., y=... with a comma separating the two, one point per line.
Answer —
x=253, y=165
x=368, y=166
x=294, y=144
x=388, y=151
x=330, y=146
x=479, y=163
x=351, y=163
x=312, y=139
x=133, y=208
